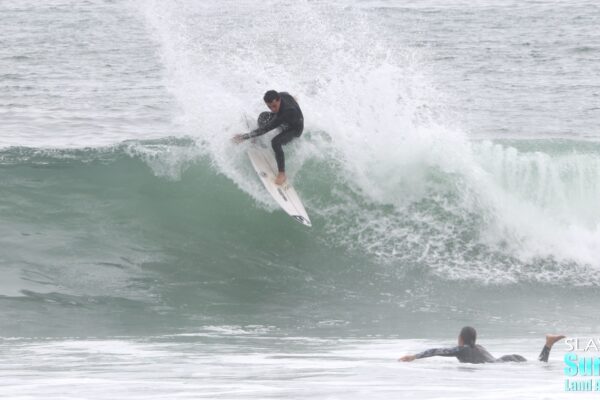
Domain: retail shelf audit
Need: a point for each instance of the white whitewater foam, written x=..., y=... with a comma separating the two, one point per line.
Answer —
x=375, y=115
x=261, y=367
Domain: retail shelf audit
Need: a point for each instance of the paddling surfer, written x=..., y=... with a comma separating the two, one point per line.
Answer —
x=469, y=352
x=285, y=113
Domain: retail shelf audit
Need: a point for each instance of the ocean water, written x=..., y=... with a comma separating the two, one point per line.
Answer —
x=450, y=164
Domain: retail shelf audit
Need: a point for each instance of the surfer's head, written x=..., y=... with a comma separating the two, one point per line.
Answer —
x=272, y=100
x=467, y=337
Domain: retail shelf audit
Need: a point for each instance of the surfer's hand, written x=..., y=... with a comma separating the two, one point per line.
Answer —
x=407, y=358
x=240, y=137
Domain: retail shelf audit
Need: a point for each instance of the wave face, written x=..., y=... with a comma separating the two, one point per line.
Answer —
x=154, y=233
x=150, y=219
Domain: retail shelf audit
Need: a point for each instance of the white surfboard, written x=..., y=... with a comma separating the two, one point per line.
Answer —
x=265, y=166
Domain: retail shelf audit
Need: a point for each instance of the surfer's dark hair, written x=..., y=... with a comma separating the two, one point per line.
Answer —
x=468, y=335
x=270, y=96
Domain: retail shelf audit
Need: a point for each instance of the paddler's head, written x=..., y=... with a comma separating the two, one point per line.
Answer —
x=467, y=336
x=272, y=100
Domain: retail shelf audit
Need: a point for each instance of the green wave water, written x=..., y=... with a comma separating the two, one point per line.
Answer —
x=149, y=237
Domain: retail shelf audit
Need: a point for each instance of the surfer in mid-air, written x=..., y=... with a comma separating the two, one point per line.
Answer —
x=469, y=352
x=285, y=112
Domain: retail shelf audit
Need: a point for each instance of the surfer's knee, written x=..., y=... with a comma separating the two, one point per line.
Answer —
x=264, y=118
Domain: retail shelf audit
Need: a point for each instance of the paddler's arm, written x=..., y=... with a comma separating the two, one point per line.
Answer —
x=446, y=352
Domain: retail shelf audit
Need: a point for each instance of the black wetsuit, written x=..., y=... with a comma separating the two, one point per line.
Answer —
x=478, y=355
x=290, y=118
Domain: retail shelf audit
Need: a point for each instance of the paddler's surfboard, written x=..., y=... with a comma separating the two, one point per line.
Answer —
x=264, y=164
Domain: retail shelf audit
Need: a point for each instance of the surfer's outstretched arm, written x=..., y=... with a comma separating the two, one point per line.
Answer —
x=444, y=352
x=272, y=124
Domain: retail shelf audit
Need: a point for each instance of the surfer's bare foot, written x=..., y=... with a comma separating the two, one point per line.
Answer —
x=551, y=339
x=280, y=179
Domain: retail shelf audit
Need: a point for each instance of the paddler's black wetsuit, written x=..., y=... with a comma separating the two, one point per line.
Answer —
x=478, y=355
x=291, y=120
